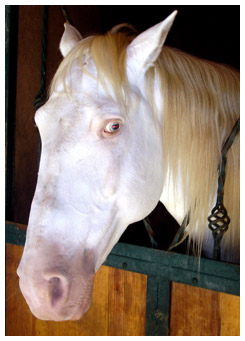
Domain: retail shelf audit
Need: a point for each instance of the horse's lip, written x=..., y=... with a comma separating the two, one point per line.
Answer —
x=81, y=311
x=85, y=305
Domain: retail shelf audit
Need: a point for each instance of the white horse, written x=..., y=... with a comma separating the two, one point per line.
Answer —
x=127, y=123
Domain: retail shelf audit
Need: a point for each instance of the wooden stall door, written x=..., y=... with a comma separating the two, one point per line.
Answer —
x=119, y=307
x=201, y=312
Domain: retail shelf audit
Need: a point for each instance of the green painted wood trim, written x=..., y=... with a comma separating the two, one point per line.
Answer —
x=205, y=273
x=14, y=235
x=157, y=306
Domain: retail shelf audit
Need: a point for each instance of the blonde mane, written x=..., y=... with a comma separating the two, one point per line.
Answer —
x=200, y=106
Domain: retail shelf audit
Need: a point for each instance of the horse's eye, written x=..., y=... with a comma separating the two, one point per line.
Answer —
x=112, y=127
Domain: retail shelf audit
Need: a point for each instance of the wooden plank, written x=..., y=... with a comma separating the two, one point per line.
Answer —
x=229, y=307
x=118, y=308
x=17, y=313
x=127, y=303
x=201, y=312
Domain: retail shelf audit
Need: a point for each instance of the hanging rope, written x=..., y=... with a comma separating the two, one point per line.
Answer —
x=41, y=95
x=219, y=219
x=180, y=235
x=66, y=15
x=150, y=232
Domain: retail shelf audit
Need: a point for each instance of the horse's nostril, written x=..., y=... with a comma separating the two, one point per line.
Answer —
x=59, y=290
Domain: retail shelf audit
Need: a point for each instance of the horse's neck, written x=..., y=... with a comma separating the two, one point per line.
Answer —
x=172, y=198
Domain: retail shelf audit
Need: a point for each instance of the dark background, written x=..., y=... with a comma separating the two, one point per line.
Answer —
x=211, y=32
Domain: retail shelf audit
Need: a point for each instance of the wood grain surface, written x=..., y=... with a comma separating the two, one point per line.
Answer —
x=201, y=312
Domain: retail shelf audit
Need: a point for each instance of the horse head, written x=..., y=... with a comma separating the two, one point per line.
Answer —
x=100, y=167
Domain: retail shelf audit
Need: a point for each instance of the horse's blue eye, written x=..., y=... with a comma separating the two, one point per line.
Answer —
x=112, y=127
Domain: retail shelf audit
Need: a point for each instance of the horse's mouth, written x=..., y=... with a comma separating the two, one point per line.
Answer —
x=83, y=309
x=60, y=316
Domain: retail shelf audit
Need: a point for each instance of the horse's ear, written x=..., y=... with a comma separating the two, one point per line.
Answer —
x=146, y=47
x=70, y=38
